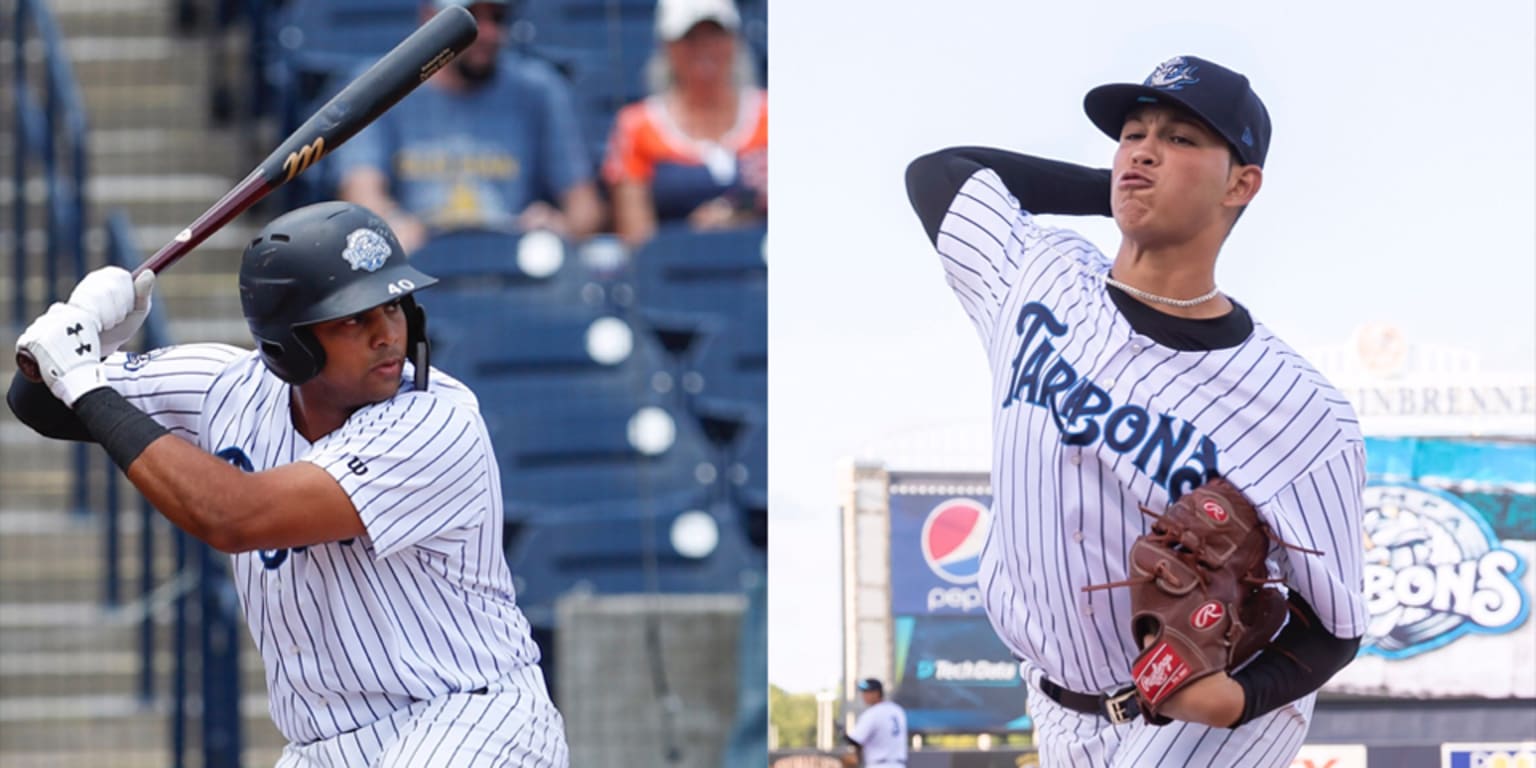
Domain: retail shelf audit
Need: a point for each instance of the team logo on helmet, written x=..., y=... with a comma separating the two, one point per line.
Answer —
x=1172, y=75
x=366, y=250
x=1434, y=571
x=952, y=537
x=1208, y=615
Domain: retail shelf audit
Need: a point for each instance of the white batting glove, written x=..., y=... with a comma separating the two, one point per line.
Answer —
x=66, y=343
x=119, y=301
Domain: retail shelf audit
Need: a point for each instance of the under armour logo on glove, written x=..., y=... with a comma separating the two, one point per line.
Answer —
x=75, y=330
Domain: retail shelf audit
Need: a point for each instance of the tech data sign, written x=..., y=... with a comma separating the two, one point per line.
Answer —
x=980, y=671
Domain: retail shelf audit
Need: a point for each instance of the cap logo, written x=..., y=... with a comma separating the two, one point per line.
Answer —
x=1172, y=75
x=366, y=250
x=1247, y=135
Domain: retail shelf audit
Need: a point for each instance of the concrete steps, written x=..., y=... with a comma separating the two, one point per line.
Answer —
x=73, y=756
x=52, y=723
x=69, y=665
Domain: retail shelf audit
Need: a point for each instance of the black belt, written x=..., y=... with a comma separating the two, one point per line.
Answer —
x=1118, y=708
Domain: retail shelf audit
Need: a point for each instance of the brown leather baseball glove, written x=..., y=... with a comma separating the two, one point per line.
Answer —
x=1199, y=591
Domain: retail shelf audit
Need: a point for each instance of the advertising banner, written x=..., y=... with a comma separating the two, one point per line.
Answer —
x=936, y=553
x=1330, y=756
x=953, y=674
x=1517, y=755
x=1450, y=535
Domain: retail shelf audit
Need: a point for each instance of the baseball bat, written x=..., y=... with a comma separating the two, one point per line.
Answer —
x=408, y=65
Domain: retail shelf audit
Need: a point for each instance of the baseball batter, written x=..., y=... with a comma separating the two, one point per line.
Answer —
x=357, y=494
x=1126, y=382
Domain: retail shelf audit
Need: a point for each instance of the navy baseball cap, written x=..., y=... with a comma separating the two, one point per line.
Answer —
x=1215, y=94
x=871, y=684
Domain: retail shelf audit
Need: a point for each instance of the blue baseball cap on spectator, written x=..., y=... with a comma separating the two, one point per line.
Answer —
x=871, y=684
x=1217, y=95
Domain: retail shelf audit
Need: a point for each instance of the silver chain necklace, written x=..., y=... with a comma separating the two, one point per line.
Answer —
x=1140, y=294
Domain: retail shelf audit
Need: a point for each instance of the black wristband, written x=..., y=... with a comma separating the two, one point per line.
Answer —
x=122, y=429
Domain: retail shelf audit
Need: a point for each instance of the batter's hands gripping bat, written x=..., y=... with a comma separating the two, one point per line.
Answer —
x=411, y=62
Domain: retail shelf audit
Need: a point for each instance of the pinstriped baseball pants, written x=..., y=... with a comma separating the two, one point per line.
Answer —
x=513, y=724
x=1069, y=739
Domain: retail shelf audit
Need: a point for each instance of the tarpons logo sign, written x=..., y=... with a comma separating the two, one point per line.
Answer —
x=1434, y=571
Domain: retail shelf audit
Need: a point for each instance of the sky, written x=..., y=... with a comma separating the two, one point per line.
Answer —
x=1400, y=187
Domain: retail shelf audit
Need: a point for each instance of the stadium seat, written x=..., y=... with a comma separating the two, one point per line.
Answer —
x=694, y=271
x=718, y=283
x=582, y=450
x=560, y=418
x=628, y=546
x=733, y=363
x=479, y=262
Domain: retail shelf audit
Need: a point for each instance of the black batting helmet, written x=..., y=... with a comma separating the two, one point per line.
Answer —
x=323, y=262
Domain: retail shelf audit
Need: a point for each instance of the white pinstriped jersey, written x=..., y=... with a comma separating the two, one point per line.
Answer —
x=420, y=606
x=881, y=733
x=1092, y=419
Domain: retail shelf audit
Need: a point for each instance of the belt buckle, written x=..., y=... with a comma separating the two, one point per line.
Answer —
x=1114, y=707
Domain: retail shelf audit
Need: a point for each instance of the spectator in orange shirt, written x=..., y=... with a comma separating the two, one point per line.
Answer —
x=696, y=150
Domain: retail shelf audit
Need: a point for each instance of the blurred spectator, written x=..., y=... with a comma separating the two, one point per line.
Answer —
x=696, y=150
x=488, y=142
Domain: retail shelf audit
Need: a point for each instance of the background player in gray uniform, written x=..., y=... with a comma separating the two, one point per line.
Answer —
x=1123, y=383
x=358, y=496
x=880, y=732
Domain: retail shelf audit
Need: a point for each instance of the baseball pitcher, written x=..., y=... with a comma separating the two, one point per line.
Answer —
x=1175, y=552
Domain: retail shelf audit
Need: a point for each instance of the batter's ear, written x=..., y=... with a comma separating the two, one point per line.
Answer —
x=1243, y=184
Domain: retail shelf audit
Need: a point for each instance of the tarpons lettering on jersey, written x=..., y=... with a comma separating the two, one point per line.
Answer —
x=1085, y=412
x=236, y=457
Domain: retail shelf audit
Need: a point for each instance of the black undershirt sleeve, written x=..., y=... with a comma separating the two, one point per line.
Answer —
x=37, y=408
x=1040, y=185
x=1275, y=679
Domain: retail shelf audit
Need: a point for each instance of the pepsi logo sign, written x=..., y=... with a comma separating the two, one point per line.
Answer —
x=952, y=537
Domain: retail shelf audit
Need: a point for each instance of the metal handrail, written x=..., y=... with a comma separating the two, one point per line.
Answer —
x=61, y=142
x=202, y=587
x=50, y=133
x=54, y=135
